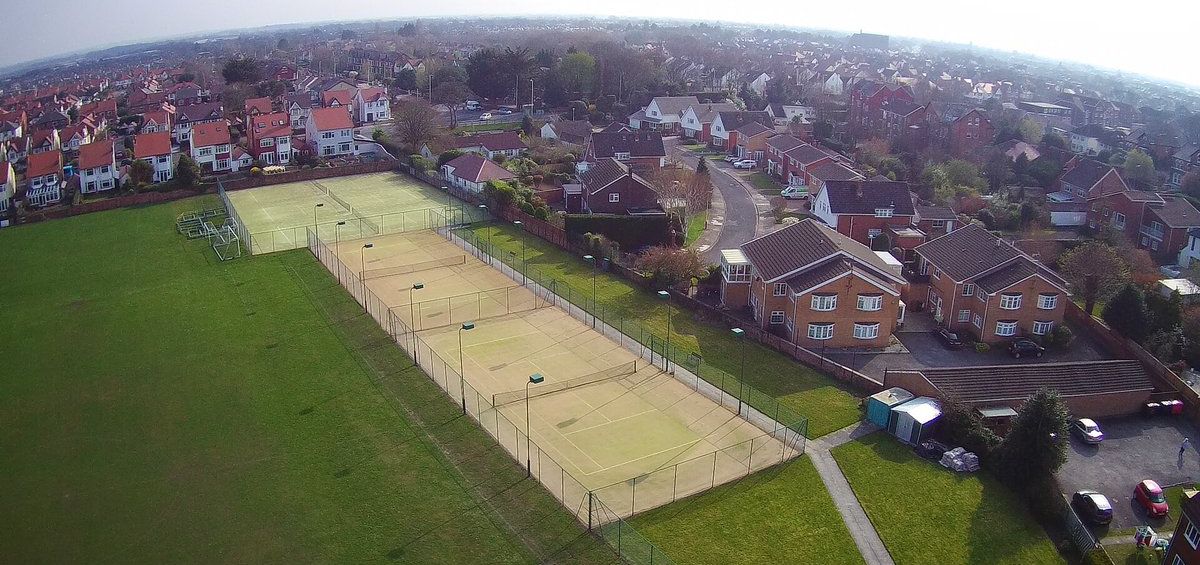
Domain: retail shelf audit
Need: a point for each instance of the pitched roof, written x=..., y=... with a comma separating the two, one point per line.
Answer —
x=900, y=107
x=1177, y=212
x=675, y=105
x=706, y=113
x=935, y=213
x=259, y=105
x=198, y=112
x=635, y=143
x=372, y=94
x=752, y=129
x=1018, y=382
x=1086, y=173
x=832, y=171
x=573, y=131
x=278, y=124
x=342, y=97
x=804, y=244
x=332, y=118
x=607, y=171
x=301, y=99
x=96, y=154
x=733, y=120
x=784, y=142
x=43, y=163
x=806, y=154
x=475, y=168
x=866, y=196
x=211, y=133
x=152, y=144
x=971, y=251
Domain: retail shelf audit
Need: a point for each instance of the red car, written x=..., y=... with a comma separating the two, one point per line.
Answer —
x=1150, y=496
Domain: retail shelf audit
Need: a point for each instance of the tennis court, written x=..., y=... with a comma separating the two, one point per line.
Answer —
x=613, y=423
x=275, y=217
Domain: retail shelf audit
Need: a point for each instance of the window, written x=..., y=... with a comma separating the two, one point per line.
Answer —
x=614, y=197
x=968, y=289
x=1010, y=301
x=737, y=273
x=1042, y=328
x=1047, y=301
x=883, y=212
x=1178, y=559
x=824, y=302
x=621, y=155
x=820, y=331
x=205, y=151
x=777, y=316
x=874, y=233
x=964, y=315
x=937, y=273
x=939, y=224
x=162, y=160
x=222, y=164
x=1006, y=327
x=870, y=302
x=266, y=142
x=866, y=331
x=104, y=169
x=978, y=321
x=1119, y=220
x=327, y=135
x=780, y=289
x=1192, y=535
x=345, y=147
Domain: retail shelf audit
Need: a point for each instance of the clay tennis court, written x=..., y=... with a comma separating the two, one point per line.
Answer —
x=276, y=217
x=614, y=422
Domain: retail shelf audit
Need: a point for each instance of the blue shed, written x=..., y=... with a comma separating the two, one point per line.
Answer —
x=880, y=404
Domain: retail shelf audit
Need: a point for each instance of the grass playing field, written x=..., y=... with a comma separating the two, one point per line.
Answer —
x=827, y=404
x=927, y=514
x=157, y=407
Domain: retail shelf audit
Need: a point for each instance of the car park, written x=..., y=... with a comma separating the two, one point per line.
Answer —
x=1025, y=347
x=1087, y=430
x=1092, y=507
x=1150, y=497
x=794, y=192
x=745, y=164
x=948, y=338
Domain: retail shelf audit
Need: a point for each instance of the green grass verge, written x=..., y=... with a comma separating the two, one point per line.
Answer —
x=695, y=227
x=827, y=404
x=494, y=126
x=765, y=184
x=159, y=406
x=780, y=515
x=1129, y=554
x=927, y=514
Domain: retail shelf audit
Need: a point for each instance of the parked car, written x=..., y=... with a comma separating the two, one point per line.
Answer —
x=931, y=449
x=732, y=158
x=1151, y=498
x=745, y=164
x=1093, y=507
x=1087, y=430
x=795, y=192
x=473, y=106
x=949, y=338
x=1025, y=347
x=485, y=116
x=506, y=111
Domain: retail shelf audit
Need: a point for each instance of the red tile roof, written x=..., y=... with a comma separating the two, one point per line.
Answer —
x=260, y=105
x=43, y=164
x=96, y=154
x=212, y=133
x=332, y=118
x=474, y=168
x=342, y=97
x=5, y=167
x=152, y=144
x=372, y=94
x=278, y=124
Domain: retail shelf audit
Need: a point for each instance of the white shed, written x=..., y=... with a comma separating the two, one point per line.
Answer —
x=914, y=420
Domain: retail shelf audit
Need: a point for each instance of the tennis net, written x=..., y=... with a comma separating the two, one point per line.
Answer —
x=365, y=223
x=549, y=387
x=414, y=267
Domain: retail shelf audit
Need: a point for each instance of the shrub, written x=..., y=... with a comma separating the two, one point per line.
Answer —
x=255, y=172
x=1062, y=337
x=982, y=347
x=448, y=156
x=632, y=232
x=668, y=266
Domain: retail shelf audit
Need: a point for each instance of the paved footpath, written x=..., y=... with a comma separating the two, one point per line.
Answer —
x=865, y=537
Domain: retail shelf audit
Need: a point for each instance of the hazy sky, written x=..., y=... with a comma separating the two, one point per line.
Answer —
x=1153, y=37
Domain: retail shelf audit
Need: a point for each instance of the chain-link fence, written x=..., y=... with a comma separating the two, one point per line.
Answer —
x=356, y=227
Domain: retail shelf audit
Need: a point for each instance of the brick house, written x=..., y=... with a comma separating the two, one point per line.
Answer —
x=269, y=137
x=862, y=209
x=697, y=120
x=867, y=98
x=611, y=187
x=1184, y=161
x=752, y=140
x=776, y=149
x=801, y=161
x=963, y=131
x=977, y=283
x=905, y=121
x=641, y=150
x=211, y=146
x=1185, y=544
x=815, y=287
x=721, y=133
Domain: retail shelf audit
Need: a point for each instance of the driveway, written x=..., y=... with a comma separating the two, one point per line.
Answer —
x=926, y=351
x=1134, y=448
x=740, y=223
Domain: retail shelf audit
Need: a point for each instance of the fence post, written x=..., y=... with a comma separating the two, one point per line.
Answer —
x=589, y=495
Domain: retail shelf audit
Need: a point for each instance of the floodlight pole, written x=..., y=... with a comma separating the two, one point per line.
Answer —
x=449, y=207
x=337, y=234
x=489, y=232
x=533, y=379
x=592, y=259
x=316, y=230
x=462, y=372
x=741, y=335
x=666, y=296
x=362, y=271
x=521, y=226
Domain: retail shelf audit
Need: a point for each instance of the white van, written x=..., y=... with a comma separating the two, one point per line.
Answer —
x=474, y=106
x=794, y=192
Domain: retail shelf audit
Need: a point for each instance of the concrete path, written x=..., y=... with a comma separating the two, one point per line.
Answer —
x=865, y=537
x=716, y=222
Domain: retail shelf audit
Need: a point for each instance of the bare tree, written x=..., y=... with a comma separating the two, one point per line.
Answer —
x=681, y=188
x=416, y=123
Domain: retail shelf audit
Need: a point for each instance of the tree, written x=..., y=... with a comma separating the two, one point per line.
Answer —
x=998, y=170
x=1139, y=169
x=453, y=94
x=1096, y=271
x=186, y=77
x=1030, y=130
x=379, y=135
x=407, y=30
x=283, y=44
x=242, y=70
x=1036, y=444
x=406, y=79
x=702, y=166
x=416, y=123
x=271, y=88
x=187, y=172
x=448, y=156
x=1052, y=139
x=577, y=72
x=141, y=173
x=669, y=266
x=527, y=126
x=1127, y=313
x=485, y=74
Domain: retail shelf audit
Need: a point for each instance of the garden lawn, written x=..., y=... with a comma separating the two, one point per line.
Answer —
x=695, y=227
x=1129, y=554
x=494, y=126
x=825, y=402
x=780, y=515
x=160, y=407
x=765, y=184
x=927, y=514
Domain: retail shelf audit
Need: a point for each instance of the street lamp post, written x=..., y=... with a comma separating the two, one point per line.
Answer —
x=592, y=259
x=412, y=321
x=534, y=379
x=741, y=335
x=521, y=226
x=316, y=230
x=362, y=271
x=337, y=234
x=462, y=372
x=666, y=296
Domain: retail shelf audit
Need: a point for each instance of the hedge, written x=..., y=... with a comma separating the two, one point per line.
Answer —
x=630, y=232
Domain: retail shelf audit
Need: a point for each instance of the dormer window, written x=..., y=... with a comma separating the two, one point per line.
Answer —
x=621, y=155
x=884, y=212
